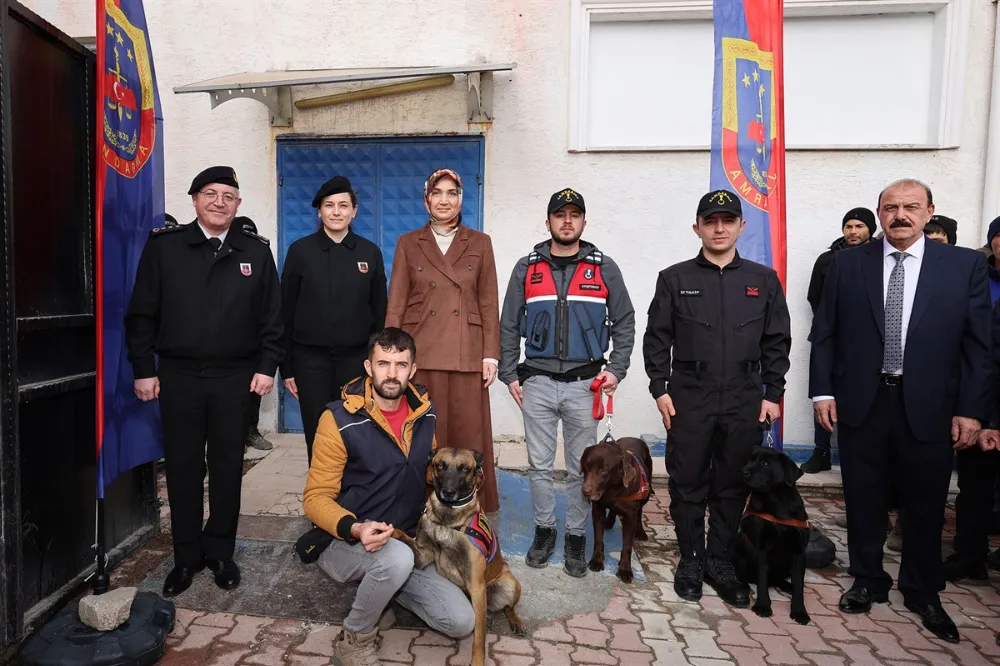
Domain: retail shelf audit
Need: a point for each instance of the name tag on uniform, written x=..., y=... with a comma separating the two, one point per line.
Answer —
x=245, y=269
x=690, y=292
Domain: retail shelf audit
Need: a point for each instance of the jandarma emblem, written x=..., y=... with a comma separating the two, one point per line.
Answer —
x=129, y=127
x=721, y=198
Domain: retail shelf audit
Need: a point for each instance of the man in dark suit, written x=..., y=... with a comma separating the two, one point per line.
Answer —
x=883, y=306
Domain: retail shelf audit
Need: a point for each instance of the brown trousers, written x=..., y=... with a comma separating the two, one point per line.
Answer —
x=463, y=421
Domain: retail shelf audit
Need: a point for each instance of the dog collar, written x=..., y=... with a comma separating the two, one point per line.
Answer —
x=790, y=522
x=457, y=504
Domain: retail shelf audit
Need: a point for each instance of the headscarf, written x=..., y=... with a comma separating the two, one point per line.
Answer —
x=432, y=180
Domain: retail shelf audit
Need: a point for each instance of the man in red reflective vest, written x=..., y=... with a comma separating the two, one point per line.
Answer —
x=569, y=301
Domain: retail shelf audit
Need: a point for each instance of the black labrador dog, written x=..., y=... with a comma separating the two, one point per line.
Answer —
x=774, y=531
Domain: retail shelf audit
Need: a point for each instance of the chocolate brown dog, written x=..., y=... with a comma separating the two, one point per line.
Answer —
x=774, y=531
x=616, y=480
x=455, y=535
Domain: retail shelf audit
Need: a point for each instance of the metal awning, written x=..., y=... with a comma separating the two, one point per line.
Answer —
x=273, y=89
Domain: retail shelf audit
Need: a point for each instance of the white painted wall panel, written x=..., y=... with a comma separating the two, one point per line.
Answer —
x=849, y=81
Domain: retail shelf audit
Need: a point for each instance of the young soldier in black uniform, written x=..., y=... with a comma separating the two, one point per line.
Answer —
x=207, y=302
x=716, y=352
x=333, y=297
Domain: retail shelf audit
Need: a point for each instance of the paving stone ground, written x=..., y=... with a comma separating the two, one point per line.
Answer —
x=643, y=624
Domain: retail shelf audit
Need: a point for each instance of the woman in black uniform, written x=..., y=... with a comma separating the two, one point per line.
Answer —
x=333, y=294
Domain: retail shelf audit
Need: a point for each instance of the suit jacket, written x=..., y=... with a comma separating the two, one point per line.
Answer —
x=946, y=362
x=448, y=303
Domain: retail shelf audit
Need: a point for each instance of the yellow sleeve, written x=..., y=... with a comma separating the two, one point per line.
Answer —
x=319, y=500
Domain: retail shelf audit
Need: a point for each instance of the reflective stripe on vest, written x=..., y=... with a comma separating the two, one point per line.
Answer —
x=574, y=328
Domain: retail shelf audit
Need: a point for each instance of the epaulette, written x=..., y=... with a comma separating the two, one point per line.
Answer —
x=159, y=231
x=257, y=236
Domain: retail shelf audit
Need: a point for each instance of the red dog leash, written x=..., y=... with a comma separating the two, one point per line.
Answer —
x=598, y=411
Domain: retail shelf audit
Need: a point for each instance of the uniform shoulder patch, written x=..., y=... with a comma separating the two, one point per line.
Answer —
x=160, y=231
x=257, y=236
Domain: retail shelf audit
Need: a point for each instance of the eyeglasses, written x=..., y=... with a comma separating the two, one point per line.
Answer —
x=227, y=198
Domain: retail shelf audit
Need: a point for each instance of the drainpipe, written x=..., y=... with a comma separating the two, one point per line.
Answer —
x=991, y=194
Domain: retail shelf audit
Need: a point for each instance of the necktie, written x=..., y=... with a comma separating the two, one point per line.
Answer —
x=215, y=243
x=892, y=356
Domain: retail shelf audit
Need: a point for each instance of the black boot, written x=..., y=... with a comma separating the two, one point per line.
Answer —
x=541, y=548
x=819, y=462
x=720, y=574
x=575, y=563
x=689, y=576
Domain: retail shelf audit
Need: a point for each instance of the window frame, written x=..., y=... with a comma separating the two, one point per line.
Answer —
x=952, y=23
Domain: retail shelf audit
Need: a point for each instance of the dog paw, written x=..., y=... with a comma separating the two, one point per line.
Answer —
x=641, y=535
x=596, y=565
x=625, y=576
x=762, y=610
x=518, y=627
x=800, y=616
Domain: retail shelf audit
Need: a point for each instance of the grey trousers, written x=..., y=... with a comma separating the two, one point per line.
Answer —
x=544, y=403
x=388, y=573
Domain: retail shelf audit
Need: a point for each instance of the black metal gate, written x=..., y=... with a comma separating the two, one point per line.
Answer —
x=47, y=329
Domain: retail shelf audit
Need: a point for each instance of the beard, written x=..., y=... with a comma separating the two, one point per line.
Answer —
x=563, y=241
x=389, y=389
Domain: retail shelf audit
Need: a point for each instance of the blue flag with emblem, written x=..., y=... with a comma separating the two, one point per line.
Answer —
x=748, y=134
x=129, y=203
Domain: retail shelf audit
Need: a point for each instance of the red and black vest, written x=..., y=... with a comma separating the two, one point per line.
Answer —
x=566, y=321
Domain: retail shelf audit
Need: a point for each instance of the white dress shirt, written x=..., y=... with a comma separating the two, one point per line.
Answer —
x=221, y=237
x=911, y=264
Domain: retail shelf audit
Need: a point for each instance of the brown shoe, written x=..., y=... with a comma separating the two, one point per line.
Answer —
x=351, y=649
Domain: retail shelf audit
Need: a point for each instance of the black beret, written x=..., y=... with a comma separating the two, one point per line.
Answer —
x=244, y=222
x=336, y=185
x=222, y=175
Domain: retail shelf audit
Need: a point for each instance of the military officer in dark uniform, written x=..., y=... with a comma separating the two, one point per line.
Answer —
x=716, y=352
x=333, y=297
x=207, y=303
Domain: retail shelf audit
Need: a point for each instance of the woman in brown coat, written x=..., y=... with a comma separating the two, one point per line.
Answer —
x=443, y=292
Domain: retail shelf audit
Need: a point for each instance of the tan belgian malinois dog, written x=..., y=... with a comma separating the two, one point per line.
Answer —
x=455, y=535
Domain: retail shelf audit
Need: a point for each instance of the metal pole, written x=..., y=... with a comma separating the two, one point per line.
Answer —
x=101, y=580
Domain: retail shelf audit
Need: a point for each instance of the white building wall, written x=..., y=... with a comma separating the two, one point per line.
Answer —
x=640, y=205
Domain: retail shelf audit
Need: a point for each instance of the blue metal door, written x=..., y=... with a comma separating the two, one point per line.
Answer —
x=388, y=175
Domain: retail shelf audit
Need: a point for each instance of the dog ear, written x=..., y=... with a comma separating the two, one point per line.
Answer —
x=791, y=470
x=479, y=460
x=430, y=456
x=629, y=472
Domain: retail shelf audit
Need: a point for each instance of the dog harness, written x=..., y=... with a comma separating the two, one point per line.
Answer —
x=480, y=534
x=790, y=522
x=644, y=487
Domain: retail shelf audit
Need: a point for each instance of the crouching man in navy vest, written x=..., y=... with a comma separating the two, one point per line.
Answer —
x=368, y=476
x=569, y=301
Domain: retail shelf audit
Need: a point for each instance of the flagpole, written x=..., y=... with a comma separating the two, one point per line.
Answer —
x=100, y=582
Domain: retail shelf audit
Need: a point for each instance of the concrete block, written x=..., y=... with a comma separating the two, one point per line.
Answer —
x=107, y=611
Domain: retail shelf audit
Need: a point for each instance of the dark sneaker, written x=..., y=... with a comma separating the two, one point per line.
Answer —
x=993, y=560
x=957, y=568
x=720, y=574
x=688, y=578
x=819, y=462
x=541, y=548
x=575, y=563
x=257, y=441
